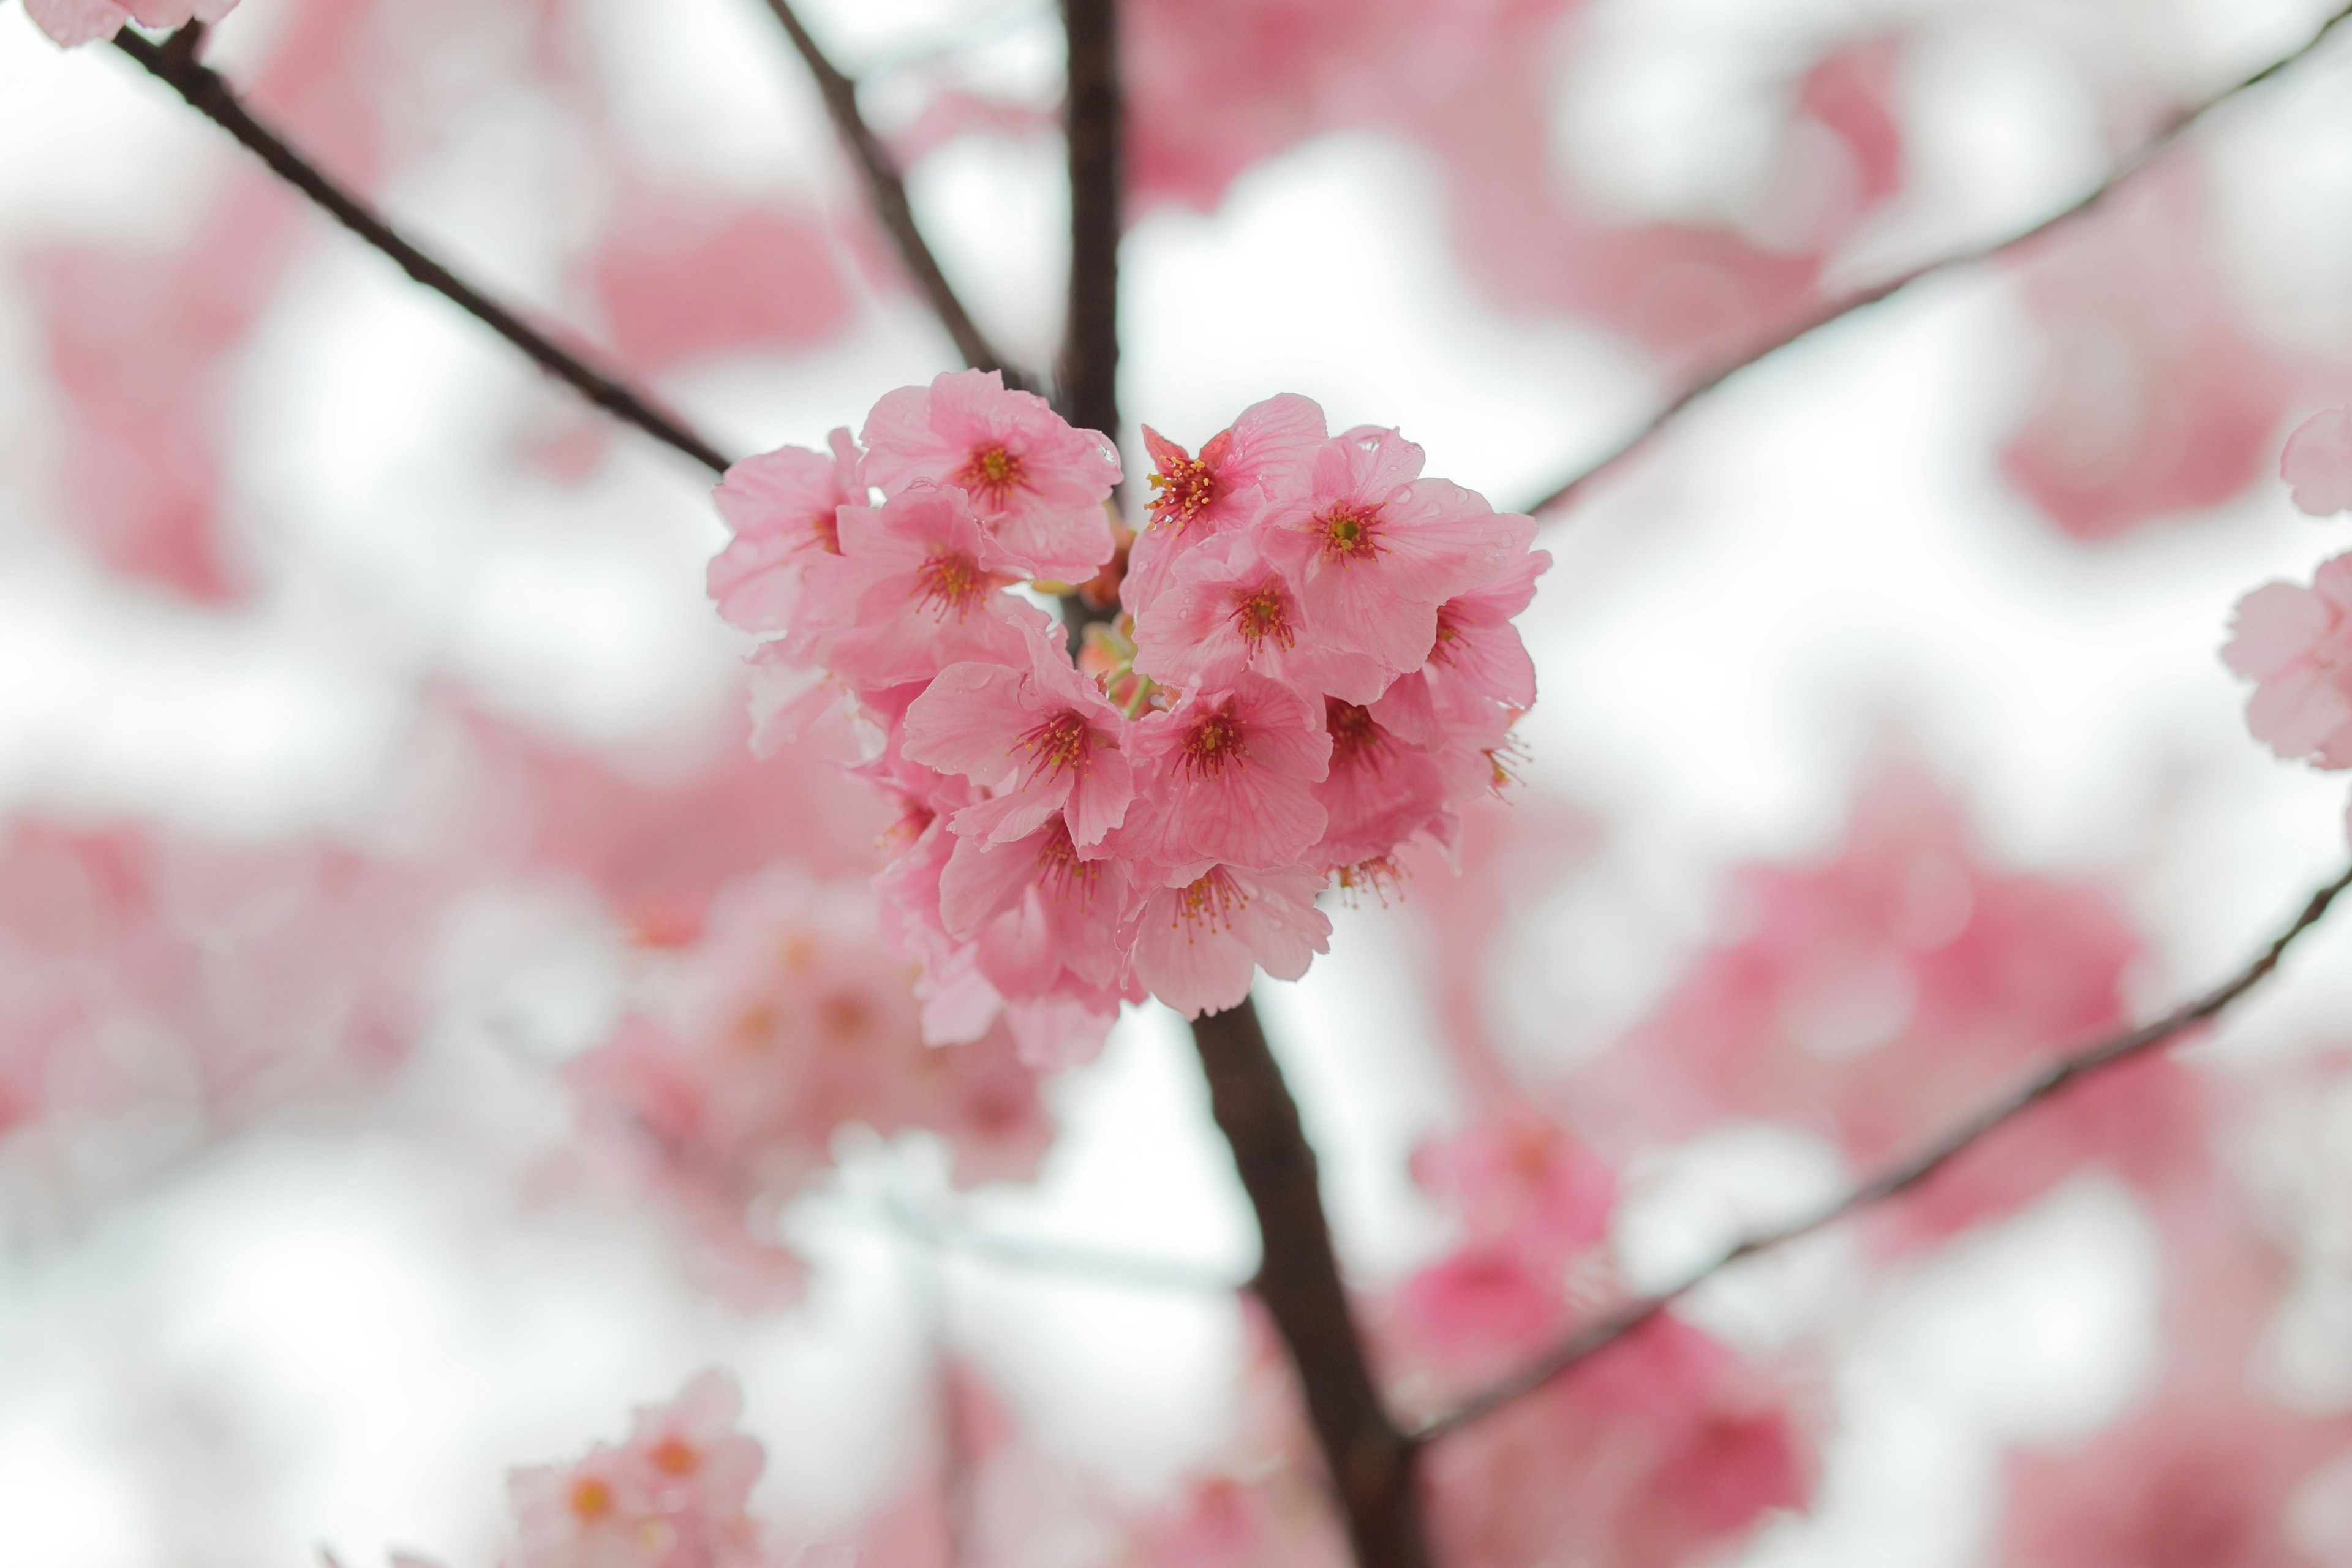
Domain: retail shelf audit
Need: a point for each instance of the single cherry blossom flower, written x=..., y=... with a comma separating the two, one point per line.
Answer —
x=1381, y=789
x=1043, y=928
x=2295, y=644
x=1044, y=736
x=1478, y=672
x=1226, y=608
x=911, y=592
x=1036, y=485
x=1232, y=776
x=781, y=507
x=1374, y=549
x=2318, y=462
x=1239, y=471
x=72, y=22
x=1198, y=943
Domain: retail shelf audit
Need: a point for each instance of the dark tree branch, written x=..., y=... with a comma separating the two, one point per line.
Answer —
x=174, y=62
x=1094, y=122
x=1897, y=1179
x=1369, y=1461
x=2172, y=130
x=888, y=191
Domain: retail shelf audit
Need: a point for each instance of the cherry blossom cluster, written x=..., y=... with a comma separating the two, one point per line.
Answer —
x=2294, y=642
x=1317, y=665
x=675, y=1494
x=785, y=1022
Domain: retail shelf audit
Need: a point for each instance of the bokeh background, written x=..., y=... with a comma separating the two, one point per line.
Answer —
x=369, y=749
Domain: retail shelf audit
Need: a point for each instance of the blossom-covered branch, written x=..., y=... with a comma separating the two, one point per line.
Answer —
x=2173, y=128
x=888, y=191
x=1605, y=1331
x=174, y=62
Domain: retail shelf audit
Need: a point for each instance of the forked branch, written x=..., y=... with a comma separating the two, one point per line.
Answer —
x=888, y=191
x=2172, y=130
x=1607, y=1330
x=174, y=62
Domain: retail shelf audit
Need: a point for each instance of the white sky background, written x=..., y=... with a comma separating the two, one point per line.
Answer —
x=314, y=1337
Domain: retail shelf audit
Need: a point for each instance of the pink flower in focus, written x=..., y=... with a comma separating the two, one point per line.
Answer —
x=2318, y=462
x=1239, y=471
x=911, y=592
x=1226, y=608
x=1478, y=671
x=71, y=22
x=1036, y=485
x=1047, y=730
x=1197, y=944
x=1231, y=777
x=1383, y=790
x=2295, y=644
x=1043, y=925
x=1375, y=549
x=781, y=507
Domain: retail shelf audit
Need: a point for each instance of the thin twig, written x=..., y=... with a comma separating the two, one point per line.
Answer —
x=1369, y=1461
x=2171, y=130
x=174, y=62
x=888, y=191
x=1094, y=119
x=1898, y=1178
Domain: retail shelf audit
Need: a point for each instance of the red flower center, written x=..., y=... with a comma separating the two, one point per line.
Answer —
x=1263, y=612
x=1214, y=743
x=953, y=584
x=1350, y=531
x=1355, y=733
x=992, y=474
x=1185, y=487
x=1060, y=745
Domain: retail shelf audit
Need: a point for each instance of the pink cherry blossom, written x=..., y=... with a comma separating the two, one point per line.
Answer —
x=674, y=1495
x=1869, y=992
x=2295, y=644
x=71, y=22
x=2154, y=396
x=1375, y=549
x=1197, y=944
x=689, y=277
x=2318, y=462
x=1226, y=608
x=1036, y=485
x=1382, y=789
x=1652, y=1455
x=1043, y=925
x=781, y=507
x=1232, y=775
x=1478, y=673
x=1239, y=471
x=1044, y=737
x=788, y=1019
x=911, y=592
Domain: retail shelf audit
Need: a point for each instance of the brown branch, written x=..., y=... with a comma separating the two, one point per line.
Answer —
x=174, y=62
x=1369, y=1461
x=1897, y=1179
x=1094, y=117
x=2172, y=130
x=888, y=191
